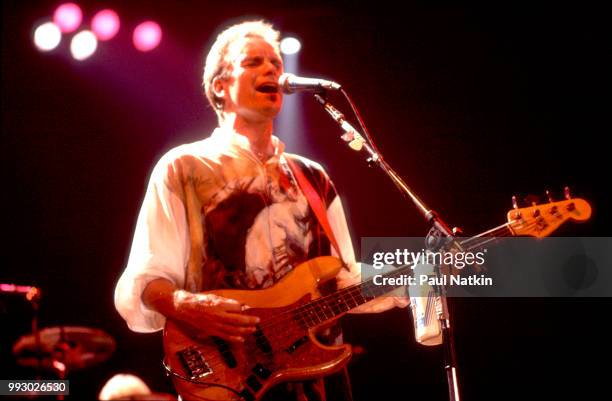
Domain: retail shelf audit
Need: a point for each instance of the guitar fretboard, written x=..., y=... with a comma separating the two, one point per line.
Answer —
x=328, y=307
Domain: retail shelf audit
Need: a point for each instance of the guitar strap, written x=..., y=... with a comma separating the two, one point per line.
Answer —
x=315, y=202
x=319, y=209
x=431, y=334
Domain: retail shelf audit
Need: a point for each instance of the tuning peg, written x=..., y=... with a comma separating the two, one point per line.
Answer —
x=549, y=196
x=571, y=207
x=517, y=214
x=457, y=231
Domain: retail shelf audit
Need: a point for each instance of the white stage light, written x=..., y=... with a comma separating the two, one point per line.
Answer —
x=290, y=45
x=47, y=36
x=83, y=45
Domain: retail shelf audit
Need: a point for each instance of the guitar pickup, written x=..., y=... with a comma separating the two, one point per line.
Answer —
x=296, y=344
x=194, y=362
x=226, y=352
x=262, y=341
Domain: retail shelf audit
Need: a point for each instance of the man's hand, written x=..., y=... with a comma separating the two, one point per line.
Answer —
x=212, y=315
x=207, y=314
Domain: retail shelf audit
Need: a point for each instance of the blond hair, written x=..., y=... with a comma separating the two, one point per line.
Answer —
x=217, y=65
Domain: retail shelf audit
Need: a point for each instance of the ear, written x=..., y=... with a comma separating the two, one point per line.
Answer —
x=218, y=87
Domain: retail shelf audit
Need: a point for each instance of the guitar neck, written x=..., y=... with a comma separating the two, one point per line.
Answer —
x=537, y=221
x=328, y=307
x=486, y=237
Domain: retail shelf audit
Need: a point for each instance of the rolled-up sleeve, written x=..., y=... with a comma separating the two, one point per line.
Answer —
x=160, y=249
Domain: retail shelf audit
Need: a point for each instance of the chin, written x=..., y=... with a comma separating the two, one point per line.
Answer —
x=271, y=112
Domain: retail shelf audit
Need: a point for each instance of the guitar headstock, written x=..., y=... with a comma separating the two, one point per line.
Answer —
x=541, y=220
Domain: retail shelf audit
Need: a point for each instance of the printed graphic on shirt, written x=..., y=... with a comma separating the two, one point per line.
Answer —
x=257, y=230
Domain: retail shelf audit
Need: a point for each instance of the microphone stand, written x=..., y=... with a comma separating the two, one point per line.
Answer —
x=439, y=235
x=32, y=295
x=36, y=333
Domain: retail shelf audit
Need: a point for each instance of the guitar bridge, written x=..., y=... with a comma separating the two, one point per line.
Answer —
x=194, y=362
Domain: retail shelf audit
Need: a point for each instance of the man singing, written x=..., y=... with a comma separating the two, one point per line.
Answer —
x=228, y=212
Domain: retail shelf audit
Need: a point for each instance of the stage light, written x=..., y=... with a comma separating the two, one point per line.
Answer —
x=105, y=24
x=147, y=36
x=68, y=17
x=83, y=45
x=47, y=36
x=291, y=125
x=290, y=45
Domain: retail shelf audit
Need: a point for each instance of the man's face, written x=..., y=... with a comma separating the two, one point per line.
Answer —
x=251, y=91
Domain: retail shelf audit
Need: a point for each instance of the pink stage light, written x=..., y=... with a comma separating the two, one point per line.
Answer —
x=68, y=17
x=147, y=36
x=105, y=24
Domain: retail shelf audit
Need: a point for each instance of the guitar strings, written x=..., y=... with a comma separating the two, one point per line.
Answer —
x=269, y=323
x=314, y=308
x=309, y=307
x=500, y=231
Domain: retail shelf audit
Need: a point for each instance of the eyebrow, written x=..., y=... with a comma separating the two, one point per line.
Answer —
x=259, y=58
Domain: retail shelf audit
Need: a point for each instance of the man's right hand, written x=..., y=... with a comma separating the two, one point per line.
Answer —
x=213, y=315
x=207, y=314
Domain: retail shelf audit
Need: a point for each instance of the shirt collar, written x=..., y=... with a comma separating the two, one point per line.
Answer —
x=232, y=139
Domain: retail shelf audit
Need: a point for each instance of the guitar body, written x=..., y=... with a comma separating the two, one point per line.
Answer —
x=283, y=349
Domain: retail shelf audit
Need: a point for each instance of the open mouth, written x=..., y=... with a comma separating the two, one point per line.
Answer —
x=267, y=88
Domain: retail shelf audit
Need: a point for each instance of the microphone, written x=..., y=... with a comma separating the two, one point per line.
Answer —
x=290, y=83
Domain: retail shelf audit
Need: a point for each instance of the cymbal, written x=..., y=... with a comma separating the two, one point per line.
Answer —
x=65, y=348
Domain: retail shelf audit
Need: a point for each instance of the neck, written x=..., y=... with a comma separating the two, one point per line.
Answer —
x=259, y=133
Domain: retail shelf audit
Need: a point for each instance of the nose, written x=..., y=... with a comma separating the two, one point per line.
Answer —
x=272, y=68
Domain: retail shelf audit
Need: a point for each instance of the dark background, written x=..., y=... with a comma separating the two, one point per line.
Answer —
x=470, y=104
